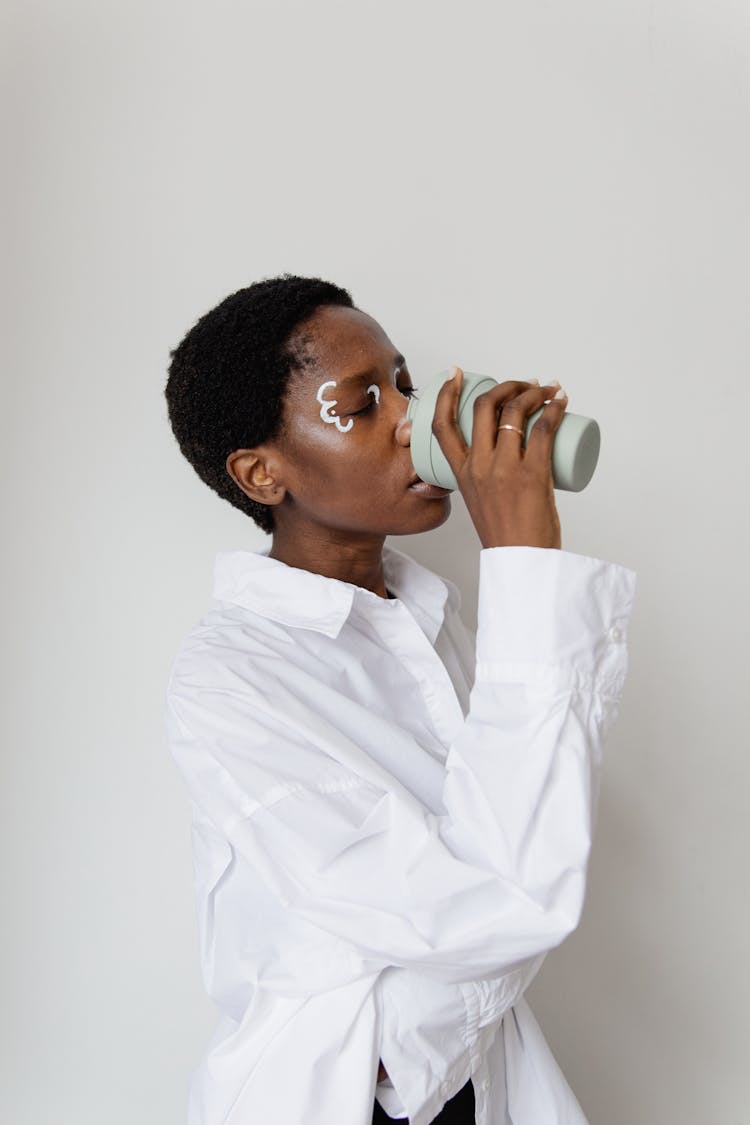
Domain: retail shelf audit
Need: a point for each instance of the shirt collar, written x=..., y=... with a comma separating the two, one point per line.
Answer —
x=301, y=599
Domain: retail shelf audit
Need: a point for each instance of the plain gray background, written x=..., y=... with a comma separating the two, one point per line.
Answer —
x=529, y=189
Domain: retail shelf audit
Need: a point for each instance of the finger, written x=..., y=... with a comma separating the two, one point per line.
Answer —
x=445, y=421
x=515, y=413
x=486, y=411
x=542, y=436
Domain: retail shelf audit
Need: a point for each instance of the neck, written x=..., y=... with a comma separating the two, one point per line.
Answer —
x=334, y=554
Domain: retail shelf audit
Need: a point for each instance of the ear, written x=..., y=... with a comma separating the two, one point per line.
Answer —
x=257, y=471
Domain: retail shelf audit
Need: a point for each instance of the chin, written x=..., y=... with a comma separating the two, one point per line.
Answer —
x=434, y=514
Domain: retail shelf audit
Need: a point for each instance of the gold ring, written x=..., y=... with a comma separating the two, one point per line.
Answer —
x=507, y=427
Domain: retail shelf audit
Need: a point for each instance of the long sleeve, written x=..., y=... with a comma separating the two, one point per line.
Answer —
x=435, y=1035
x=499, y=877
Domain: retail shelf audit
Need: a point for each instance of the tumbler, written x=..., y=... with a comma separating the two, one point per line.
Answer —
x=575, y=450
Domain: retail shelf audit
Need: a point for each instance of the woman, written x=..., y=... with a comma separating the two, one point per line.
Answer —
x=391, y=825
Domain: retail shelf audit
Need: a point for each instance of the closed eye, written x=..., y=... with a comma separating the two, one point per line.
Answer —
x=364, y=410
x=409, y=392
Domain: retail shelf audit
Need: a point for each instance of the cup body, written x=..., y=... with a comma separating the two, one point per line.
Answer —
x=575, y=450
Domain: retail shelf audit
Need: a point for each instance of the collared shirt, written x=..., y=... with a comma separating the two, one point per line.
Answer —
x=391, y=827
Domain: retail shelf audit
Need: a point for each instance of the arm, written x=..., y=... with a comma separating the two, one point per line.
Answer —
x=455, y=1026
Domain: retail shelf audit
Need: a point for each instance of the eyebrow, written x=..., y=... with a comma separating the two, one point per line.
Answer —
x=398, y=361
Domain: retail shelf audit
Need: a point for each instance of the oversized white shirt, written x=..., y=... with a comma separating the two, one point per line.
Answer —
x=391, y=827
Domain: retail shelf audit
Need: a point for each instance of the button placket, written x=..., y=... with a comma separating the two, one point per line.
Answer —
x=410, y=645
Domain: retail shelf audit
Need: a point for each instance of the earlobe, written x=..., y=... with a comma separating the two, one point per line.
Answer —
x=255, y=476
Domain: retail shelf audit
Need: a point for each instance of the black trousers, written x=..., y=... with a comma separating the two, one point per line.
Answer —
x=458, y=1111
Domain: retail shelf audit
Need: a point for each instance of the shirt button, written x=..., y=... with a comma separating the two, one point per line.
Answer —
x=616, y=635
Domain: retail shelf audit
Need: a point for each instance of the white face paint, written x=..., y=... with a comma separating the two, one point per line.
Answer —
x=328, y=414
x=326, y=409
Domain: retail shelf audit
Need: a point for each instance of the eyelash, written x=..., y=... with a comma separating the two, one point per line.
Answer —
x=409, y=392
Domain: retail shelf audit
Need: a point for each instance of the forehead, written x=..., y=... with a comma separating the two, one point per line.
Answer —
x=338, y=341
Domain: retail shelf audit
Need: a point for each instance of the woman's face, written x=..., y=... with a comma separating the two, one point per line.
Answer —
x=345, y=439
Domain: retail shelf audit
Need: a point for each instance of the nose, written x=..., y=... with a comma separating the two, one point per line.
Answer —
x=403, y=431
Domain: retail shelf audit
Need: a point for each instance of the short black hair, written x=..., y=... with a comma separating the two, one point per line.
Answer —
x=228, y=375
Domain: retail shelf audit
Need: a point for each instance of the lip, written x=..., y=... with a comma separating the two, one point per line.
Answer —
x=430, y=491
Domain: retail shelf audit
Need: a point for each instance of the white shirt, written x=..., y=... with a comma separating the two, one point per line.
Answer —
x=391, y=828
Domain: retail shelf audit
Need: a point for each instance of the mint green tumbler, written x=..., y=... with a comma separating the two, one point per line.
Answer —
x=575, y=451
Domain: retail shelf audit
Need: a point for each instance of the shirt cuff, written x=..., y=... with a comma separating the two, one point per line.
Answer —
x=388, y=1099
x=547, y=612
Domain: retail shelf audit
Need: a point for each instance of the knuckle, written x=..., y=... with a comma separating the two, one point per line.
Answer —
x=544, y=425
x=539, y=477
x=527, y=477
x=514, y=404
x=481, y=402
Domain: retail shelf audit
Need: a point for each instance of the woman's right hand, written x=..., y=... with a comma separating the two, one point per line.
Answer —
x=507, y=489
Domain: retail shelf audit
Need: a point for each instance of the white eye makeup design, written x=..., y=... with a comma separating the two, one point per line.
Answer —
x=327, y=405
x=328, y=414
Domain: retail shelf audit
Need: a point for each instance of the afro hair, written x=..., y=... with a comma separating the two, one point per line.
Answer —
x=228, y=376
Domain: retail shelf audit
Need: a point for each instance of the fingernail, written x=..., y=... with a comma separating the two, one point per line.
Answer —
x=562, y=393
x=534, y=382
x=452, y=372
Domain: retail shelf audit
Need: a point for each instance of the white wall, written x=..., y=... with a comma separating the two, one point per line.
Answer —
x=530, y=189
